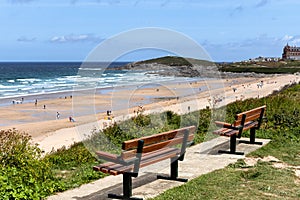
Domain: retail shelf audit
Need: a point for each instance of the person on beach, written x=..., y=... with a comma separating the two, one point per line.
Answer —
x=35, y=103
x=44, y=106
x=71, y=119
x=57, y=115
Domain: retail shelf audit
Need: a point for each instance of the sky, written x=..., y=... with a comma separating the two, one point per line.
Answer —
x=68, y=30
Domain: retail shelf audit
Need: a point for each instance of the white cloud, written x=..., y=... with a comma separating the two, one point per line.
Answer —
x=262, y=45
x=287, y=38
x=76, y=38
x=292, y=40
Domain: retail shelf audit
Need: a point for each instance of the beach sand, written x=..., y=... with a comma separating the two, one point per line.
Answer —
x=89, y=108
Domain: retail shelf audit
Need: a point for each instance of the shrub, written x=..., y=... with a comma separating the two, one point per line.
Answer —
x=24, y=175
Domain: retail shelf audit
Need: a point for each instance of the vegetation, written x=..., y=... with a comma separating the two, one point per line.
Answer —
x=234, y=182
x=26, y=174
x=262, y=181
x=23, y=175
x=270, y=67
x=176, y=61
x=266, y=67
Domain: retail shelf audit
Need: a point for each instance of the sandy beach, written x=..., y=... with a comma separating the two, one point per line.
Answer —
x=89, y=108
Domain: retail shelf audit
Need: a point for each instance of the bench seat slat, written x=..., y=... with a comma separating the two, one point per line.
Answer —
x=155, y=159
x=249, y=125
x=147, y=159
x=144, y=151
x=113, y=169
x=225, y=132
x=102, y=154
x=250, y=112
x=248, y=119
x=223, y=124
x=132, y=144
x=153, y=147
x=229, y=132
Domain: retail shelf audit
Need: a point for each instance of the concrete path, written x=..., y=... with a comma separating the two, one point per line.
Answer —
x=200, y=159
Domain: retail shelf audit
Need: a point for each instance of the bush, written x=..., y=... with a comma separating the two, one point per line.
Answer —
x=24, y=175
x=66, y=158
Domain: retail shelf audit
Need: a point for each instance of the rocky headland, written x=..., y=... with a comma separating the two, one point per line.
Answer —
x=183, y=67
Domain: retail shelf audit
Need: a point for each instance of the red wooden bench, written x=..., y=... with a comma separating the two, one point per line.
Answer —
x=251, y=119
x=145, y=151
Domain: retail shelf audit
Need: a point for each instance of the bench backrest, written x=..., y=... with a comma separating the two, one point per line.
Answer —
x=158, y=141
x=250, y=115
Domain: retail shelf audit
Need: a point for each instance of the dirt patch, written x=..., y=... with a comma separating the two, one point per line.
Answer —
x=276, y=163
x=253, y=161
x=270, y=194
x=297, y=173
x=281, y=165
x=270, y=159
x=250, y=161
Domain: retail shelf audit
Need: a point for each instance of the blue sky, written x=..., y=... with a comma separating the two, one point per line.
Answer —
x=67, y=30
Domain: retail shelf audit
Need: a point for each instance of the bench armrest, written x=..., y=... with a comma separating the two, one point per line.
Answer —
x=114, y=158
x=224, y=124
x=107, y=156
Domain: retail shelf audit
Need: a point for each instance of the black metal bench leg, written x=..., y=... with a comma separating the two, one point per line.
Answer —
x=127, y=189
x=232, y=147
x=252, y=138
x=174, y=172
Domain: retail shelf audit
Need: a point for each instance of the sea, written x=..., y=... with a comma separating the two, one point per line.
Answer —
x=44, y=79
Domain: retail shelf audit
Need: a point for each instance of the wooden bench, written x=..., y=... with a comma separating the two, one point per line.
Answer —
x=145, y=151
x=251, y=119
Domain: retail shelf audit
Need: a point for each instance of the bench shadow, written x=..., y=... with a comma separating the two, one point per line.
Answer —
x=214, y=150
x=118, y=188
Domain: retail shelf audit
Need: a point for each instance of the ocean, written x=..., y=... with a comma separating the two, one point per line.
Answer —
x=31, y=79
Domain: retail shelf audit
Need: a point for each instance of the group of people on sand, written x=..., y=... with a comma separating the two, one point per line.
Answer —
x=14, y=101
x=71, y=119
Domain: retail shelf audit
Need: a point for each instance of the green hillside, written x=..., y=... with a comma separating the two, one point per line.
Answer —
x=269, y=67
x=280, y=67
x=176, y=61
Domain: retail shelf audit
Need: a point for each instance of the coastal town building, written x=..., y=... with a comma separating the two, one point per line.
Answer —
x=291, y=53
x=262, y=59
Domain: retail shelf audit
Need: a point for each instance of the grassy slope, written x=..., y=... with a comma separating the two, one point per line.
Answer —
x=262, y=181
x=176, y=61
x=281, y=67
x=283, y=115
x=262, y=67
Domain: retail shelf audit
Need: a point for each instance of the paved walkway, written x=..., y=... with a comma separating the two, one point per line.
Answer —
x=200, y=159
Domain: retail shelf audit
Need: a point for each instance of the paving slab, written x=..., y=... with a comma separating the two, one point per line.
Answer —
x=199, y=159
